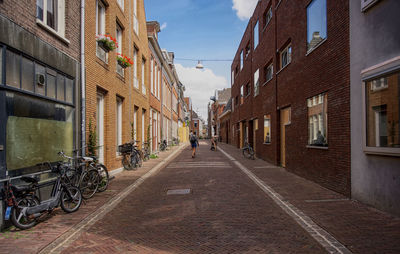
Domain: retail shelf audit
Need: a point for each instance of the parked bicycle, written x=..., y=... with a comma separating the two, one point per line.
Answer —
x=248, y=151
x=146, y=151
x=163, y=145
x=83, y=174
x=131, y=155
x=24, y=207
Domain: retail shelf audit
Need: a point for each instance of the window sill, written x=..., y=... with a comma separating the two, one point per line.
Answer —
x=317, y=147
x=283, y=68
x=384, y=151
x=266, y=82
x=317, y=46
x=52, y=31
x=102, y=63
x=267, y=143
x=120, y=77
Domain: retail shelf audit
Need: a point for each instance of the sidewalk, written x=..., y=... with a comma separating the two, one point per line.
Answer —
x=362, y=229
x=54, y=225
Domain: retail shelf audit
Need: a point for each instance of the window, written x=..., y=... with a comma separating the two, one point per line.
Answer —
x=135, y=19
x=118, y=32
x=247, y=89
x=286, y=56
x=135, y=118
x=195, y=124
x=143, y=76
x=100, y=28
x=60, y=87
x=13, y=69
x=143, y=124
x=268, y=16
x=366, y=4
x=40, y=88
x=233, y=78
x=318, y=120
x=241, y=60
x=119, y=122
x=27, y=79
x=151, y=76
x=135, y=65
x=256, y=35
x=51, y=15
x=269, y=72
x=256, y=82
x=267, y=129
x=316, y=23
x=233, y=104
x=51, y=83
x=247, y=51
x=241, y=94
x=121, y=4
x=383, y=111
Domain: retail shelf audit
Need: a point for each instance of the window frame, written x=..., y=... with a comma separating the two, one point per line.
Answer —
x=288, y=56
x=256, y=85
x=270, y=130
x=380, y=70
x=316, y=120
x=256, y=31
x=267, y=18
x=59, y=32
x=271, y=64
x=309, y=50
x=119, y=129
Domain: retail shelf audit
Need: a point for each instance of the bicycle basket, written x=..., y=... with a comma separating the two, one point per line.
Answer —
x=125, y=148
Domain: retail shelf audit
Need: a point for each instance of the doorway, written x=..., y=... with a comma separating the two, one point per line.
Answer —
x=100, y=126
x=285, y=121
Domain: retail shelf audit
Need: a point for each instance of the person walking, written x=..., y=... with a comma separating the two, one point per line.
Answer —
x=194, y=142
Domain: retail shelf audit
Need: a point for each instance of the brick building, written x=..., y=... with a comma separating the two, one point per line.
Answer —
x=290, y=88
x=117, y=102
x=225, y=123
x=40, y=86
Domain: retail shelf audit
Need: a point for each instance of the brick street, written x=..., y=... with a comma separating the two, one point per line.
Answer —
x=225, y=212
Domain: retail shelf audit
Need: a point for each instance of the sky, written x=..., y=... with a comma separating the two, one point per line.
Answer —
x=201, y=30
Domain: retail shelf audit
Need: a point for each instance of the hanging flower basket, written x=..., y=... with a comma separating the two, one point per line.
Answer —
x=106, y=42
x=124, y=61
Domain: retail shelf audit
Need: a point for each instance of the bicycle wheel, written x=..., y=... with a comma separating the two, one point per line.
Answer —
x=104, y=178
x=71, y=199
x=127, y=162
x=89, y=183
x=20, y=220
x=139, y=161
x=246, y=153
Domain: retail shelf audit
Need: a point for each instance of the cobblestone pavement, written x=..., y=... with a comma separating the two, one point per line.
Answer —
x=225, y=212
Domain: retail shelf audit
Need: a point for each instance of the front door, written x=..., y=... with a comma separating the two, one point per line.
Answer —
x=285, y=120
x=100, y=127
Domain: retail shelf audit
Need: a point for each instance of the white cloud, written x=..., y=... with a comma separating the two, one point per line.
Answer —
x=244, y=8
x=200, y=86
x=163, y=26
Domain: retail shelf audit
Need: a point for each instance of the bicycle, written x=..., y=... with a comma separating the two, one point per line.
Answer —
x=146, y=151
x=163, y=145
x=26, y=207
x=82, y=174
x=131, y=156
x=248, y=151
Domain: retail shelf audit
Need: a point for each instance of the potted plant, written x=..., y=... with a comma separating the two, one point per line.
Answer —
x=124, y=61
x=106, y=42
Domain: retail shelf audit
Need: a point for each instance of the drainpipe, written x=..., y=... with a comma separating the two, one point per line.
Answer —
x=83, y=88
x=161, y=100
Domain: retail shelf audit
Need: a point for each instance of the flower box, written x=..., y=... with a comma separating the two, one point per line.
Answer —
x=107, y=42
x=124, y=61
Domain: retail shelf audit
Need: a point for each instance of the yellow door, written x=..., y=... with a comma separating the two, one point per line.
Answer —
x=285, y=120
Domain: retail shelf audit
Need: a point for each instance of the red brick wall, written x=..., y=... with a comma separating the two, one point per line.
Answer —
x=326, y=69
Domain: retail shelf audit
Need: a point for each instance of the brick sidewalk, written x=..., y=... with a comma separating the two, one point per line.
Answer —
x=360, y=228
x=54, y=225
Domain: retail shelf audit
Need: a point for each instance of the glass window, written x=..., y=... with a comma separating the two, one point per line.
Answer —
x=13, y=69
x=1, y=65
x=39, y=9
x=233, y=78
x=135, y=67
x=152, y=75
x=121, y=4
x=143, y=76
x=51, y=83
x=267, y=129
x=318, y=120
x=241, y=60
x=27, y=75
x=69, y=90
x=316, y=23
x=286, y=56
x=269, y=72
x=256, y=82
x=383, y=111
x=60, y=87
x=241, y=94
x=267, y=16
x=52, y=13
x=256, y=34
x=40, y=75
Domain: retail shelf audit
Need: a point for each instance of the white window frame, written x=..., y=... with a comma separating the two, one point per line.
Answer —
x=135, y=67
x=143, y=76
x=119, y=123
x=288, y=51
x=152, y=88
x=135, y=19
x=61, y=18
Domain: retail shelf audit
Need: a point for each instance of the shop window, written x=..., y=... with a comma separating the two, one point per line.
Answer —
x=316, y=23
x=60, y=87
x=383, y=111
x=318, y=120
x=267, y=129
x=51, y=83
x=27, y=75
x=69, y=90
x=13, y=69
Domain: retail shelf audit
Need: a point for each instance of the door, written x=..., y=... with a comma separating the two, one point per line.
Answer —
x=100, y=127
x=285, y=120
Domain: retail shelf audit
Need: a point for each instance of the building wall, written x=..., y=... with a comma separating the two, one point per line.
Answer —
x=102, y=77
x=309, y=74
x=375, y=178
